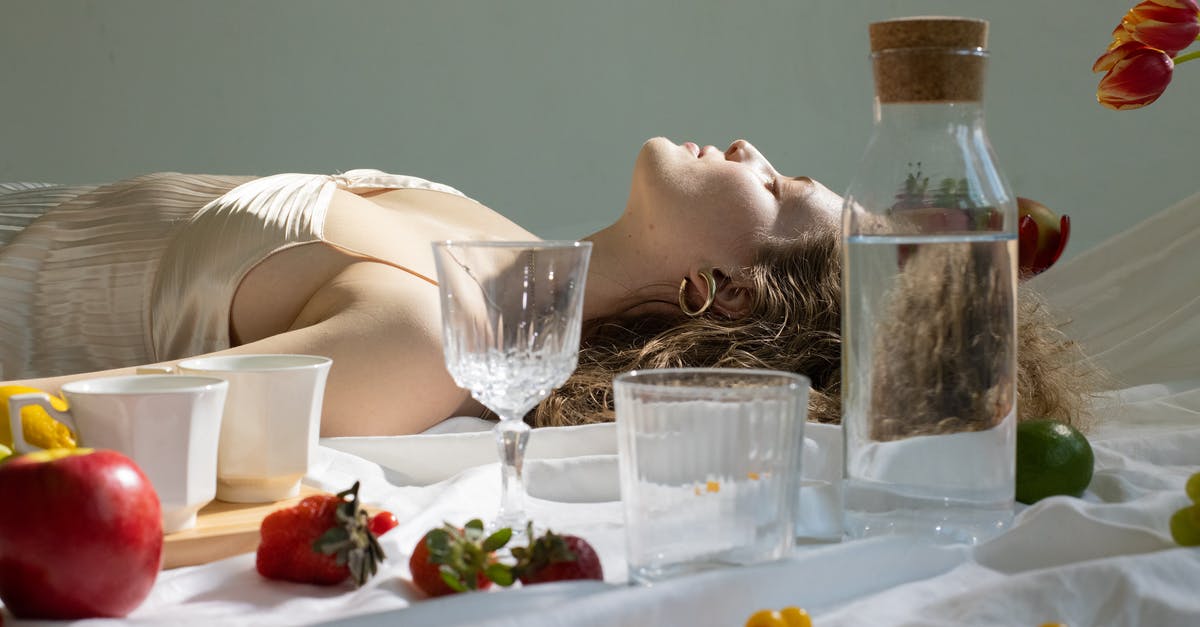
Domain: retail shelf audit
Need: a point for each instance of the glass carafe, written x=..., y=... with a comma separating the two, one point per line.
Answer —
x=929, y=297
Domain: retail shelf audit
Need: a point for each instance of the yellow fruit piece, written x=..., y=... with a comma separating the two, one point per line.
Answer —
x=795, y=617
x=1184, y=529
x=4, y=452
x=712, y=486
x=1193, y=488
x=787, y=617
x=765, y=618
x=38, y=427
x=1052, y=458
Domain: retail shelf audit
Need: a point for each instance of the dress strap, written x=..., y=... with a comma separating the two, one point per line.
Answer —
x=367, y=179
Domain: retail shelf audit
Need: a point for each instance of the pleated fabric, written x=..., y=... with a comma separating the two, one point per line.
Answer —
x=74, y=282
x=144, y=270
x=22, y=203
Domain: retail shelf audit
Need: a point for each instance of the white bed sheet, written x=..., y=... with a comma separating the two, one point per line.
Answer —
x=1106, y=559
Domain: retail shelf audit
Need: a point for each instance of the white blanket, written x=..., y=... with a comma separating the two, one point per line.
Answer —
x=1106, y=559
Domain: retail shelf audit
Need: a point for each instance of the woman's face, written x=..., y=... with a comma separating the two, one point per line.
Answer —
x=722, y=205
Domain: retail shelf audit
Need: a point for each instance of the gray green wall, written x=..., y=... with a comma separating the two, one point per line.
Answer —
x=537, y=107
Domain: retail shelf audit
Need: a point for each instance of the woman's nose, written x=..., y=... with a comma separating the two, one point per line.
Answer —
x=739, y=151
x=742, y=151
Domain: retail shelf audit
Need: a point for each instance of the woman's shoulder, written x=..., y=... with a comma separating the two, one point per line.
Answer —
x=396, y=226
x=371, y=293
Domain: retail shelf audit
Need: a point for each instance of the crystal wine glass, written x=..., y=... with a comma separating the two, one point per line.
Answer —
x=511, y=318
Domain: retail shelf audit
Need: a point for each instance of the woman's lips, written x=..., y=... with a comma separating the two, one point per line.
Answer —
x=697, y=151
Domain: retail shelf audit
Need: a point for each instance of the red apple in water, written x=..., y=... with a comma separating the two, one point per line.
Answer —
x=80, y=534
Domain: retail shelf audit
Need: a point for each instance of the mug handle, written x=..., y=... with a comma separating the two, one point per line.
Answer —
x=17, y=402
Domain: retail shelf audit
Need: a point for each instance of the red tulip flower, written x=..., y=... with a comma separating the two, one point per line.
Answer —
x=1042, y=237
x=1142, y=56
x=1167, y=25
x=1137, y=76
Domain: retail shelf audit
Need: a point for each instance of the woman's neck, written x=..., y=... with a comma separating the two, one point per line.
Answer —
x=618, y=282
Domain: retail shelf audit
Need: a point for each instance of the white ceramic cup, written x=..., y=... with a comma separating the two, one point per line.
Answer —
x=272, y=422
x=168, y=426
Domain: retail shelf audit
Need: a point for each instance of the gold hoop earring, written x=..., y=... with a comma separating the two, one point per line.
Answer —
x=708, y=300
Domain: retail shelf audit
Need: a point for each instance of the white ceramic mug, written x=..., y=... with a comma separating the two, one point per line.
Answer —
x=168, y=425
x=272, y=422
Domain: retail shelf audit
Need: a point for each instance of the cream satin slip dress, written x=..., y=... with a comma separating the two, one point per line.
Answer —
x=144, y=270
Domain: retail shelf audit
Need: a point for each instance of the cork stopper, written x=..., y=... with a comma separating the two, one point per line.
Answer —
x=929, y=59
x=929, y=32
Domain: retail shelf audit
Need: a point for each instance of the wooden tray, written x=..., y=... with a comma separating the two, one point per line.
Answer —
x=222, y=530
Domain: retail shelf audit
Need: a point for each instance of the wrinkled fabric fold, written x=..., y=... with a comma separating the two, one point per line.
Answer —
x=1132, y=301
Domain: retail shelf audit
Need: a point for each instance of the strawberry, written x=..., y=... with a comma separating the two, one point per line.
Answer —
x=322, y=540
x=552, y=557
x=450, y=559
x=383, y=522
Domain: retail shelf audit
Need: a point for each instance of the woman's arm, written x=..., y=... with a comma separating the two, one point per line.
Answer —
x=382, y=329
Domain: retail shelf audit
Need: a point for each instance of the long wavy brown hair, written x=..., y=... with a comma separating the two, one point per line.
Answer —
x=794, y=324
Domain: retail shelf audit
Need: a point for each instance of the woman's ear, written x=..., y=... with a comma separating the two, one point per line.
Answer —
x=732, y=299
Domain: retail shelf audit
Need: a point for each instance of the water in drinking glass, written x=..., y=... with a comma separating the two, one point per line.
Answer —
x=511, y=319
x=709, y=461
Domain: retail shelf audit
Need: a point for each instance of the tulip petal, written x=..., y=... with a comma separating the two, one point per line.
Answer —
x=1160, y=25
x=1189, y=5
x=1166, y=29
x=1106, y=61
x=1136, y=80
x=1150, y=9
x=1120, y=35
x=1115, y=54
x=1170, y=38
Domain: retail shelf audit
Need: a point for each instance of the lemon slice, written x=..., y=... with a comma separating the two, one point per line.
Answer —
x=38, y=427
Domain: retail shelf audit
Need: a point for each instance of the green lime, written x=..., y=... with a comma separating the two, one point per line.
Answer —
x=1052, y=458
x=1185, y=526
x=1193, y=488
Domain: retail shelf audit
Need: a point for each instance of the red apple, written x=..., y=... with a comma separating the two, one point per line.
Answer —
x=1043, y=236
x=1046, y=220
x=80, y=534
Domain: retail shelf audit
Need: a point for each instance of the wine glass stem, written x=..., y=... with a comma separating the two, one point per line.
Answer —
x=511, y=437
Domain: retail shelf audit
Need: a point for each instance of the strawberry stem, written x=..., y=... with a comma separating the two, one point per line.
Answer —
x=350, y=540
x=465, y=555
